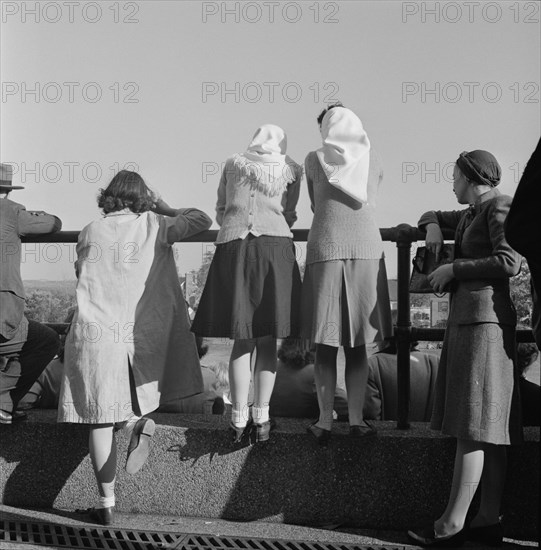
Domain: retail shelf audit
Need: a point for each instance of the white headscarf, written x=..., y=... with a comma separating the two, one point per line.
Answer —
x=265, y=163
x=345, y=155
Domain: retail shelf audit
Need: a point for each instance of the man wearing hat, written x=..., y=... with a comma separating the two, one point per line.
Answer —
x=26, y=347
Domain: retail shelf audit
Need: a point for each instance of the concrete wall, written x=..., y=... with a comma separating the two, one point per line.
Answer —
x=396, y=480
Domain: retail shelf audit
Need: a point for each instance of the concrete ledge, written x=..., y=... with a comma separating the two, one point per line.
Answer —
x=395, y=481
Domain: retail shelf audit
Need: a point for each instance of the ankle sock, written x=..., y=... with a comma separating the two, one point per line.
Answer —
x=260, y=414
x=106, y=502
x=239, y=417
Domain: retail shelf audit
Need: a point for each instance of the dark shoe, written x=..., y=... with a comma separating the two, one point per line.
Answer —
x=319, y=434
x=426, y=536
x=139, y=446
x=241, y=436
x=9, y=418
x=19, y=415
x=103, y=516
x=488, y=534
x=262, y=431
x=362, y=431
x=5, y=417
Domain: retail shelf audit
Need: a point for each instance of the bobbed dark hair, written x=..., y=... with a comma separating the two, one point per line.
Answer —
x=126, y=190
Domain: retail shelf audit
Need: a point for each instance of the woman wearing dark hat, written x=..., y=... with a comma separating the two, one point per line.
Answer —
x=477, y=398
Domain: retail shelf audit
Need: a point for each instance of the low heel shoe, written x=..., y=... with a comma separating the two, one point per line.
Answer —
x=427, y=537
x=139, y=447
x=103, y=516
x=319, y=434
x=241, y=435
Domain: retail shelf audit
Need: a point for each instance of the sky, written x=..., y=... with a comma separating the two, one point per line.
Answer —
x=173, y=88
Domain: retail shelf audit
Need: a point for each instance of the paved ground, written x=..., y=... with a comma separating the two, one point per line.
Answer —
x=256, y=530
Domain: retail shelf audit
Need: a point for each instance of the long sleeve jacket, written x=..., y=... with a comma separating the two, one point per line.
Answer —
x=483, y=262
x=15, y=222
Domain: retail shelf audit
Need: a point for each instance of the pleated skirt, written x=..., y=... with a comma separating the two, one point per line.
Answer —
x=253, y=289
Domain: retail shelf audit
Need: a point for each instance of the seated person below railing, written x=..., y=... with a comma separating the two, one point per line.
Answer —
x=382, y=387
x=294, y=393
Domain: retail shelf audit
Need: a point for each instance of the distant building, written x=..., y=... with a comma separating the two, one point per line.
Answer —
x=433, y=314
x=439, y=310
x=393, y=292
x=190, y=287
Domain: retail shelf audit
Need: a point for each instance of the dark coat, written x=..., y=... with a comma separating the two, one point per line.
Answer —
x=15, y=222
x=381, y=389
x=483, y=263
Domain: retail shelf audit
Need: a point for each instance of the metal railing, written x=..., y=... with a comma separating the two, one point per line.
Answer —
x=403, y=235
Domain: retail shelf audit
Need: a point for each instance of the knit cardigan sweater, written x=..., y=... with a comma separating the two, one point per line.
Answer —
x=243, y=208
x=342, y=228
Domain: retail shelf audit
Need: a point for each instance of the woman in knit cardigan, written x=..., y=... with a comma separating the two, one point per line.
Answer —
x=345, y=294
x=476, y=398
x=252, y=292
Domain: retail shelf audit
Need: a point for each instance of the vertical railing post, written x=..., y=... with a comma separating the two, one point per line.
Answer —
x=404, y=237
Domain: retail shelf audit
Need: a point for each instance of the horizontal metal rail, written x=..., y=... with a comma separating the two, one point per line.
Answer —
x=391, y=234
x=403, y=235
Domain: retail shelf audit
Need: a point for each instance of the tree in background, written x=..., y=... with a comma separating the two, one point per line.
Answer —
x=522, y=297
x=203, y=271
x=420, y=300
x=198, y=279
x=50, y=301
x=48, y=306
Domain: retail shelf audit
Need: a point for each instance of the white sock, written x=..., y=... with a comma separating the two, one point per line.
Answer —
x=106, y=502
x=127, y=429
x=260, y=414
x=239, y=417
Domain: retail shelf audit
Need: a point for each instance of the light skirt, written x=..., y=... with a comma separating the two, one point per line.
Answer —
x=346, y=303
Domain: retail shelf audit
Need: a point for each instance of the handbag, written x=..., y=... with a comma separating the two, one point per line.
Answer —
x=424, y=263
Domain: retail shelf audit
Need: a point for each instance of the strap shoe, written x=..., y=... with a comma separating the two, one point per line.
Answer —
x=139, y=446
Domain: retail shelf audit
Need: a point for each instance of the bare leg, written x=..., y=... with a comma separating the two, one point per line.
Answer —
x=102, y=445
x=492, y=485
x=356, y=379
x=264, y=377
x=468, y=468
x=325, y=375
x=239, y=380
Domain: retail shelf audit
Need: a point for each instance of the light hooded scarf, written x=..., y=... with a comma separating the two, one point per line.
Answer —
x=345, y=155
x=265, y=164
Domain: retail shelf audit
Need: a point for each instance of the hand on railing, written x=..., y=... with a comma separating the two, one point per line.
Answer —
x=434, y=238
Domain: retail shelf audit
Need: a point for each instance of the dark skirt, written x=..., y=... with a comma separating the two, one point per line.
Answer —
x=477, y=394
x=346, y=303
x=253, y=289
